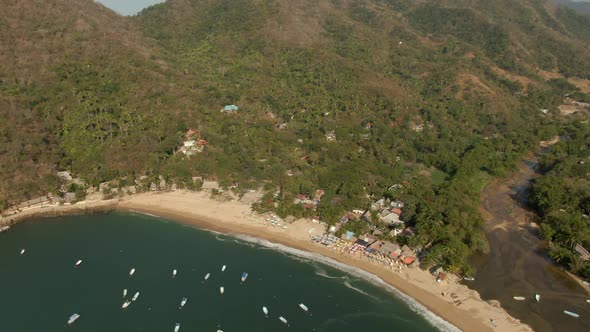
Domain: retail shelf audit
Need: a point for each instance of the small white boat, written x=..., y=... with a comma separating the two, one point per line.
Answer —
x=265, y=310
x=207, y=276
x=73, y=318
x=177, y=327
x=183, y=302
x=587, y=301
x=221, y=290
x=79, y=262
x=174, y=272
x=537, y=297
x=124, y=292
x=223, y=268
x=126, y=304
x=132, y=272
x=518, y=298
x=135, y=296
x=22, y=251
x=569, y=313
x=469, y=278
x=304, y=307
x=283, y=319
x=219, y=331
x=244, y=276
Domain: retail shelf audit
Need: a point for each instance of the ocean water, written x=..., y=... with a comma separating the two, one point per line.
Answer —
x=42, y=287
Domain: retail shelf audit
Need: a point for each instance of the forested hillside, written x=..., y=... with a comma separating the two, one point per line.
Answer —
x=347, y=96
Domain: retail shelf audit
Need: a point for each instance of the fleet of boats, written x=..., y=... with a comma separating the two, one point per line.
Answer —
x=538, y=299
x=73, y=318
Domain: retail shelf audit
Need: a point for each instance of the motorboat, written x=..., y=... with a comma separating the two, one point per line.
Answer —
x=73, y=318
x=569, y=313
x=304, y=307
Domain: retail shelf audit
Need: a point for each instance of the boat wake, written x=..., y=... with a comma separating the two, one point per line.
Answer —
x=432, y=318
x=347, y=284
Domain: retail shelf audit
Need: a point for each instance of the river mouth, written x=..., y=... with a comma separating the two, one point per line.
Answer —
x=517, y=263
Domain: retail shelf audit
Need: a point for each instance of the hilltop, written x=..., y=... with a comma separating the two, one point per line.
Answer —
x=349, y=97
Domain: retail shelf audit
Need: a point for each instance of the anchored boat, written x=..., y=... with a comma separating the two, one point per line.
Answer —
x=244, y=276
x=207, y=276
x=131, y=272
x=135, y=296
x=518, y=298
x=223, y=268
x=73, y=318
x=177, y=327
x=283, y=320
x=265, y=311
x=221, y=290
x=183, y=302
x=124, y=292
x=79, y=262
x=304, y=307
x=125, y=304
x=174, y=272
x=569, y=313
x=22, y=251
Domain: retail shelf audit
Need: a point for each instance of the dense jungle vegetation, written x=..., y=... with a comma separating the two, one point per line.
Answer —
x=441, y=94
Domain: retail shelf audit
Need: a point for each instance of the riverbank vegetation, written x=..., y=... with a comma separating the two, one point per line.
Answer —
x=562, y=197
x=349, y=97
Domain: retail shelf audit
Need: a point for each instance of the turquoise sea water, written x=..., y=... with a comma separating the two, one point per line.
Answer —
x=42, y=288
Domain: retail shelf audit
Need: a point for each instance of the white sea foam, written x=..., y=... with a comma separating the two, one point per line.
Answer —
x=431, y=317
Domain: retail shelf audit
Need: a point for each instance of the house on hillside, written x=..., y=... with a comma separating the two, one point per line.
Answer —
x=229, y=109
x=331, y=136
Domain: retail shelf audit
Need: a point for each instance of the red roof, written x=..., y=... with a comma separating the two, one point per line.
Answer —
x=408, y=260
x=396, y=211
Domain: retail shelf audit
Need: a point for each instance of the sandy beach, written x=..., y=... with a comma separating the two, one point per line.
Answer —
x=459, y=305
x=448, y=299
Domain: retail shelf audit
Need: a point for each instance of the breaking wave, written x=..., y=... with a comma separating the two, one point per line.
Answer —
x=432, y=318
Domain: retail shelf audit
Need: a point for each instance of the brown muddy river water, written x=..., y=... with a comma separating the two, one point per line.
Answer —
x=517, y=264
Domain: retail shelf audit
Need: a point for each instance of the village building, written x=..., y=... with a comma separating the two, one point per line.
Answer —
x=331, y=136
x=229, y=109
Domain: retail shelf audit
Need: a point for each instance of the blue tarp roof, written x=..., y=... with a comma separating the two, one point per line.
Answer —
x=230, y=108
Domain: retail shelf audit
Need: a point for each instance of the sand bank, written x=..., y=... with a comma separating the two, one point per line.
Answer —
x=459, y=305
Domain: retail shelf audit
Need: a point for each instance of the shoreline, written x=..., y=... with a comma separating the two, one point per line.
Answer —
x=448, y=300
